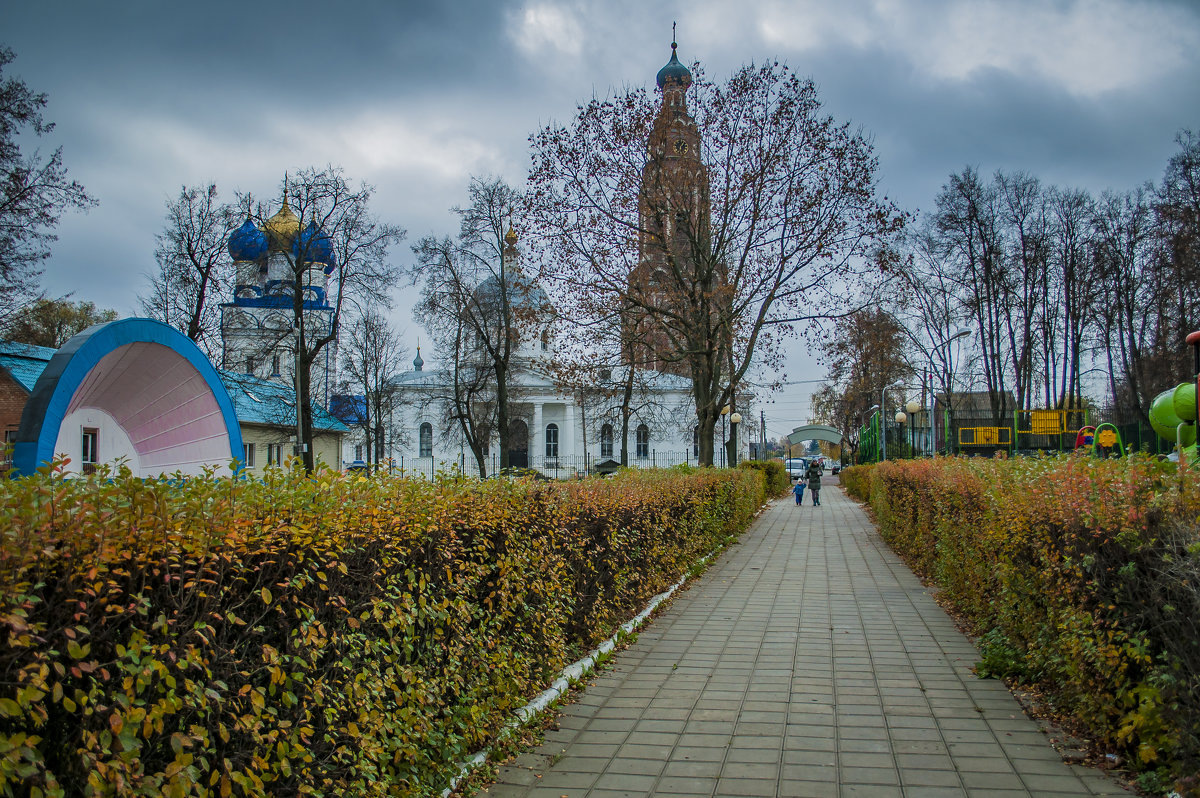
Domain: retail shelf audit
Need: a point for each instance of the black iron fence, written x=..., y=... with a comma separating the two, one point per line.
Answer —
x=553, y=467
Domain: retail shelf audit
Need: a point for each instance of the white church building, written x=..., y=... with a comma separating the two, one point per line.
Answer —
x=554, y=433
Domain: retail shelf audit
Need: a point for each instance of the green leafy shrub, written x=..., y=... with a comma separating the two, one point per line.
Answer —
x=774, y=474
x=323, y=635
x=1082, y=576
x=855, y=480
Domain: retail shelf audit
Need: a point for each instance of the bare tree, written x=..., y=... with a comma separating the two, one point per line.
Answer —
x=723, y=230
x=867, y=352
x=1177, y=209
x=341, y=229
x=193, y=265
x=969, y=233
x=479, y=304
x=34, y=193
x=372, y=358
x=1132, y=317
x=465, y=395
x=1068, y=312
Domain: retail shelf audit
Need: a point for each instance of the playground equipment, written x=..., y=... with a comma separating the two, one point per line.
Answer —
x=1106, y=441
x=1174, y=412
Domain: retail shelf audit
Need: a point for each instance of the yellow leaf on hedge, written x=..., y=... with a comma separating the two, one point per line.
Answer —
x=266, y=596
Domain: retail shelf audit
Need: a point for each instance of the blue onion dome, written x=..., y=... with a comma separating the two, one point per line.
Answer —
x=674, y=72
x=315, y=244
x=247, y=243
x=418, y=361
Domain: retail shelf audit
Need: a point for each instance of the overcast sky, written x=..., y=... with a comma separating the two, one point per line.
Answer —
x=413, y=97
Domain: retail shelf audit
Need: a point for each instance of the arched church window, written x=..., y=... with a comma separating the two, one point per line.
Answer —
x=606, y=441
x=545, y=340
x=643, y=442
x=425, y=436
x=552, y=440
x=274, y=365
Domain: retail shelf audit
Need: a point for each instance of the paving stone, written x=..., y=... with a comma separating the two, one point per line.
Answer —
x=807, y=661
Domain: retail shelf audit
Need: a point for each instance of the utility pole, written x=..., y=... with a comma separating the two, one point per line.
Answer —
x=762, y=447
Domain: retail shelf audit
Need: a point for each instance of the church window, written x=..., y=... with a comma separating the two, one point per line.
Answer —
x=545, y=340
x=358, y=451
x=552, y=440
x=426, y=438
x=696, y=441
x=643, y=442
x=606, y=441
x=249, y=365
x=275, y=365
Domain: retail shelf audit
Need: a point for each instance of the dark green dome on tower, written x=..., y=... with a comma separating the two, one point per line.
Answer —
x=674, y=71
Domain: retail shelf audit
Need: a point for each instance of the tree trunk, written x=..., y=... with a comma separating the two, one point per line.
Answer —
x=626, y=412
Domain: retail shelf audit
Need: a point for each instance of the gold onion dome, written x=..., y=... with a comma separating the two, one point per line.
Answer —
x=281, y=229
x=510, y=237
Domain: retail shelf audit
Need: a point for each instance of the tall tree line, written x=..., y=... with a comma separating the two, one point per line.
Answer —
x=1053, y=281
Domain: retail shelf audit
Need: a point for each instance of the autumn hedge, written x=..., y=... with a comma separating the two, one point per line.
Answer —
x=1082, y=577
x=312, y=636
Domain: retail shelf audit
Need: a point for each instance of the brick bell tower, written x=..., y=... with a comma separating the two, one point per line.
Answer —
x=673, y=211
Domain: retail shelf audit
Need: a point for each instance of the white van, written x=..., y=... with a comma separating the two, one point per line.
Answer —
x=796, y=466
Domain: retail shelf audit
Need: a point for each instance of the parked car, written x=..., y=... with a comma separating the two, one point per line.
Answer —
x=837, y=467
x=796, y=466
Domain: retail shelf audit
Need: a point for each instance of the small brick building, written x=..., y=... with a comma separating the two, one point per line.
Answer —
x=20, y=366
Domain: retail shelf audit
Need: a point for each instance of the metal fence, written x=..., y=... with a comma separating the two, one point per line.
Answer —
x=553, y=467
x=986, y=434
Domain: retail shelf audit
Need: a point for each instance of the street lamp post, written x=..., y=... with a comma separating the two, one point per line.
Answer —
x=724, y=439
x=734, y=420
x=961, y=332
x=912, y=407
x=900, y=419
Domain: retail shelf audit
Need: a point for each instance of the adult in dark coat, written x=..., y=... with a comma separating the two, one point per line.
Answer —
x=813, y=475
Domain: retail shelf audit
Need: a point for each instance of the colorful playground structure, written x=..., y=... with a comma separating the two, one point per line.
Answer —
x=1174, y=417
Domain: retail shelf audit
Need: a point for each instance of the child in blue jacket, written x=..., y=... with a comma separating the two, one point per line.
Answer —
x=798, y=489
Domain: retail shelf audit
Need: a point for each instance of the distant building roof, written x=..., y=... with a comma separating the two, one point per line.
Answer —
x=258, y=401
x=25, y=362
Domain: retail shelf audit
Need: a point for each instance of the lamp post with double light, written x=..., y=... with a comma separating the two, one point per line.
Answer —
x=913, y=407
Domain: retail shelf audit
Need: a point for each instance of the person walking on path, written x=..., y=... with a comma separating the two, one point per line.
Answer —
x=813, y=475
x=798, y=489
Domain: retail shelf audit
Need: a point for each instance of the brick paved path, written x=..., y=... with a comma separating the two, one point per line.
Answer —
x=808, y=661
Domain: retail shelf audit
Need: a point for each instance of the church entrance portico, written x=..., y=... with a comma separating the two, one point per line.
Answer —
x=518, y=448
